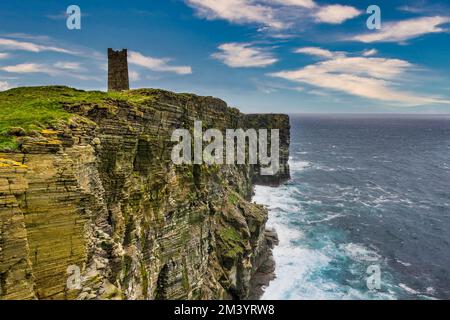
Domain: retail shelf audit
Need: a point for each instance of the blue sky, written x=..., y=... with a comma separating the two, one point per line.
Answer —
x=258, y=55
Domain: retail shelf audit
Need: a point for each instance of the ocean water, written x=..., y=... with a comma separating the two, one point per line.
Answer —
x=365, y=191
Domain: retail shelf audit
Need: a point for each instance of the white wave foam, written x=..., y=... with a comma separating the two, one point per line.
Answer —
x=359, y=253
x=324, y=168
x=294, y=265
x=431, y=290
x=405, y=264
x=298, y=264
x=277, y=199
x=328, y=218
x=408, y=289
x=297, y=166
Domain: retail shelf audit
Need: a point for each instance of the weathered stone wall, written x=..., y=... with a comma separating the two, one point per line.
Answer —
x=101, y=192
x=118, y=70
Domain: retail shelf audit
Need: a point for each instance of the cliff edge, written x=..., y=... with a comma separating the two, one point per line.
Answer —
x=87, y=185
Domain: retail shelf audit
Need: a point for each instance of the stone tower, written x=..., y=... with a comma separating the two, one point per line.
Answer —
x=118, y=70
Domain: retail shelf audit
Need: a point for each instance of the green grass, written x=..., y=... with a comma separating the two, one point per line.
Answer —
x=37, y=108
x=233, y=242
x=233, y=197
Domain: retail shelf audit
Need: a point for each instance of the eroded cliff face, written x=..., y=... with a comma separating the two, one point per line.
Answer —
x=100, y=192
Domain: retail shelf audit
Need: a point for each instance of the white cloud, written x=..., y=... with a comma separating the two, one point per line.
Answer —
x=86, y=77
x=29, y=68
x=4, y=55
x=4, y=85
x=68, y=66
x=318, y=52
x=134, y=76
x=336, y=14
x=243, y=55
x=57, y=69
x=237, y=11
x=39, y=43
x=156, y=64
x=369, y=53
x=372, y=67
x=407, y=8
x=372, y=78
x=300, y=3
x=62, y=15
x=272, y=14
x=405, y=30
x=318, y=93
x=10, y=44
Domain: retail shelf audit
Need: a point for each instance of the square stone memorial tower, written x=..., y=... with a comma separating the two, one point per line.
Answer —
x=118, y=70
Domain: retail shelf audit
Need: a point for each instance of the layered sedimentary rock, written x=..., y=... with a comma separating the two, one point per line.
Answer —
x=99, y=193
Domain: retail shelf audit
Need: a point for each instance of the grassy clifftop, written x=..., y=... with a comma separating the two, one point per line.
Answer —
x=27, y=110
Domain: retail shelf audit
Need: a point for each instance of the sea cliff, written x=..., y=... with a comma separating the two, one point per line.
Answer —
x=87, y=181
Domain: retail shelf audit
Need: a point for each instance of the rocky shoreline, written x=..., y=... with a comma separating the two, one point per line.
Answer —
x=265, y=273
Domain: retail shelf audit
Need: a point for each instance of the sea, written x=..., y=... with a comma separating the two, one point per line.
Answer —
x=366, y=214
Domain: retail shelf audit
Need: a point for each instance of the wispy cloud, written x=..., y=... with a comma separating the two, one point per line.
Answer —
x=425, y=7
x=367, y=77
x=24, y=68
x=62, y=15
x=73, y=66
x=156, y=64
x=336, y=14
x=370, y=52
x=410, y=9
x=26, y=36
x=43, y=43
x=318, y=52
x=11, y=44
x=404, y=30
x=134, y=76
x=244, y=55
x=65, y=69
x=273, y=14
x=268, y=87
x=57, y=16
x=84, y=67
x=318, y=93
x=297, y=3
x=4, y=85
x=238, y=11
